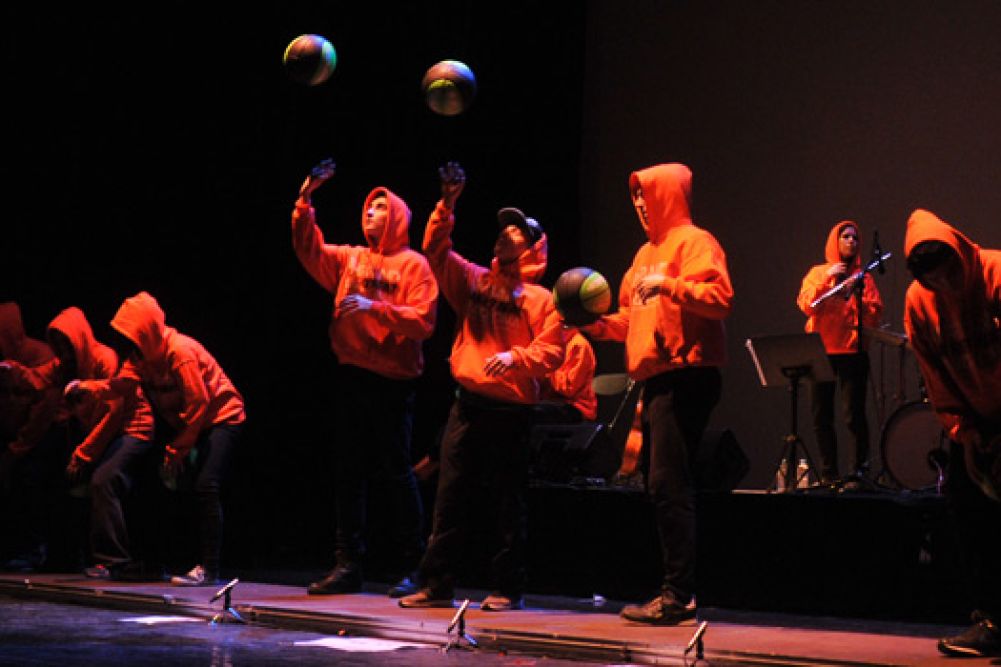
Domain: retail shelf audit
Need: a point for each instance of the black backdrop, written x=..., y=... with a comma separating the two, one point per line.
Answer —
x=163, y=153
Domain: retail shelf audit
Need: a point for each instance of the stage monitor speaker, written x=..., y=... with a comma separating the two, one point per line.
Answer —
x=720, y=463
x=569, y=452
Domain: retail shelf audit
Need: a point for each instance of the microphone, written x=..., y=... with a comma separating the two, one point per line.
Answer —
x=877, y=251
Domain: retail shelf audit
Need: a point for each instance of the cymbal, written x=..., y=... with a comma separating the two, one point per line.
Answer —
x=887, y=337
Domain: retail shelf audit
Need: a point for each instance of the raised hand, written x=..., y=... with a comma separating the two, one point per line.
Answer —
x=453, y=180
x=321, y=173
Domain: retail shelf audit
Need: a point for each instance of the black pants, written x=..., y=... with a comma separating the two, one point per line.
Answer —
x=852, y=375
x=372, y=454
x=483, y=478
x=676, y=409
x=977, y=520
x=110, y=484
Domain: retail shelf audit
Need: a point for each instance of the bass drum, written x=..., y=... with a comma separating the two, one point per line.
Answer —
x=913, y=446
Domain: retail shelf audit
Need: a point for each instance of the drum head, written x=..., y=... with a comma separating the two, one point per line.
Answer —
x=912, y=443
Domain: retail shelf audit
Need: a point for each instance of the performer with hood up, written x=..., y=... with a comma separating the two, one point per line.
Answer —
x=836, y=319
x=31, y=444
x=952, y=316
x=198, y=404
x=508, y=338
x=117, y=437
x=384, y=307
x=672, y=304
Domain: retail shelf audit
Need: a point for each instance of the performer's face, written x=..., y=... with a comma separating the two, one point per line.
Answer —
x=640, y=205
x=848, y=243
x=376, y=217
x=946, y=278
x=510, y=244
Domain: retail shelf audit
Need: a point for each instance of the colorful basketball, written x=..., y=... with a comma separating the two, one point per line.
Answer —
x=581, y=295
x=449, y=87
x=310, y=59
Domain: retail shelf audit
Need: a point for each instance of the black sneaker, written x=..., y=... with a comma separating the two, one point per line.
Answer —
x=982, y=639
x=662, y=610
x=342, y=579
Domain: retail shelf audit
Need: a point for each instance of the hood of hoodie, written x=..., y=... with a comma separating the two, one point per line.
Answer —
x=397, y=233
x=141, y=320
x=11, y=330
x=73, y=324
x=531, y=263
x=926, y=226
x=667, y=192
x=832, y=253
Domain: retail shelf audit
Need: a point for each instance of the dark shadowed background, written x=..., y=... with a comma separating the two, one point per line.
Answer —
x=163, y=153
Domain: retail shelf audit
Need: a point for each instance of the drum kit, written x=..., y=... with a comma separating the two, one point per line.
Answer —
x=912, y=442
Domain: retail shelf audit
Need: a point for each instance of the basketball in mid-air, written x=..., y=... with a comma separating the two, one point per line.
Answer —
x=310, y=59
x=449, y=87
x=581, y=295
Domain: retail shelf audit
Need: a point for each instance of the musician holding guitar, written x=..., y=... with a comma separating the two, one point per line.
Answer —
x=952, y=315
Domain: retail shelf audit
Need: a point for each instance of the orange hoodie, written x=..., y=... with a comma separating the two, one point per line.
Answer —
x=957, y=341
x=183, y=381
x=386, y=339
x=835, y=318
x=105, y=418
x=21, y=392
x=683, y=325
x=15, y=344
x=498, y=310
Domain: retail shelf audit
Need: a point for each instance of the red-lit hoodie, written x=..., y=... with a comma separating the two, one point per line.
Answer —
x=20, y=391
x=834, y=319
x=498, y=310
x=957, y=341
x=387, y=338
x=101, y=418
x=184, y=382
x=15, y=344
x=683, y=325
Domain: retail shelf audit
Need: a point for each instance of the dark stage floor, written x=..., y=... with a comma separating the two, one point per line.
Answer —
x=67, y=619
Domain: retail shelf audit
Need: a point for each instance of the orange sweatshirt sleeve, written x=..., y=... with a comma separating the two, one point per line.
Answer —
x=452, y=270
x=815, y=283
x=702, y=286
x=415, y=318
x=110, y=413
x=577, y=370
x=324, y=262
x=44, y=406
x=872, y=303
x=615, y=326
x=196, y=405
x=948, y=404
x=545, y=353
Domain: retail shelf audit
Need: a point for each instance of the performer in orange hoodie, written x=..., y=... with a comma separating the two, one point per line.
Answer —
x=836, y=319
x=31, y=445
x=508, y=338
x=952, y=315
x=384, y=307
x=672, y=304
x=199, y=405
x=117, y=434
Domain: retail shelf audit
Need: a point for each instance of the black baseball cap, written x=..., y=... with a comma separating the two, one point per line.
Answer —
x=530, y=227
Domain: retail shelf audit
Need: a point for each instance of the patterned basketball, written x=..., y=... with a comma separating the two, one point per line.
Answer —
x=449, y=87
x=310, y=59
x=581, y=295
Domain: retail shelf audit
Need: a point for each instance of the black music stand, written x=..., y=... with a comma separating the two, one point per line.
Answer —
x=783, y=361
